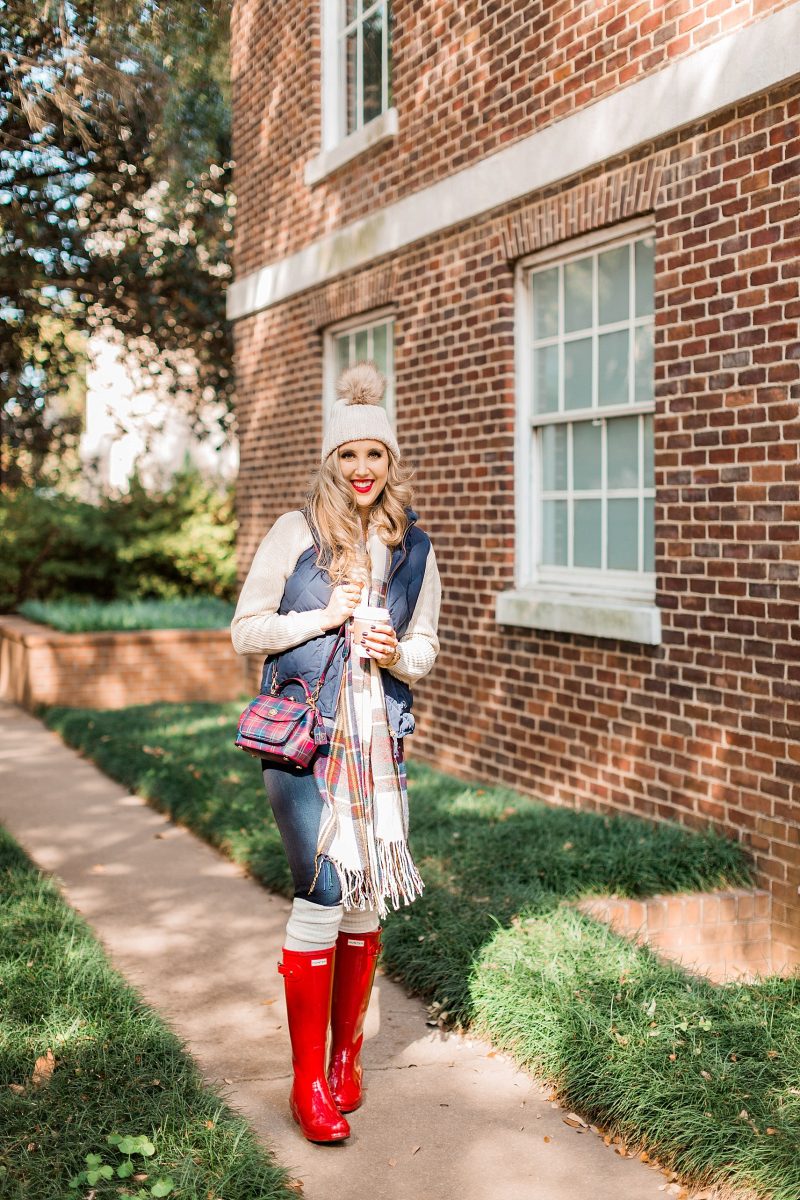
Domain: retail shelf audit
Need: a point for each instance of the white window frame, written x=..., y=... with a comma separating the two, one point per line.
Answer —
x=606, y=603
x=338, y=147
x=378, y=316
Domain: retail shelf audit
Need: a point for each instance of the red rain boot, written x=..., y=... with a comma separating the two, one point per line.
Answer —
x=356, y=960
x=308, y=979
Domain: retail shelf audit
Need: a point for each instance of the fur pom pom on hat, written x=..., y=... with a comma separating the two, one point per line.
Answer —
x=358, y=414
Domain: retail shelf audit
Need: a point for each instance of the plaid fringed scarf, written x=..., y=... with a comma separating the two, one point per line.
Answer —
x=364, y=824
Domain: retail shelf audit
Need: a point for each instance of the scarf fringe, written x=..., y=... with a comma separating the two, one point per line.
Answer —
x=398, y=880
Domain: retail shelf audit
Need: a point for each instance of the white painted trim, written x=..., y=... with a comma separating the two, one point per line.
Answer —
x=743, y=63
x=331, y=96
x=571, y=612
x=379, y=129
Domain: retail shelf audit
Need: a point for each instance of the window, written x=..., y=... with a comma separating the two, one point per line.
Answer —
x=351, y=342
x=356, y=82
x=363, y=53
x=585, y=438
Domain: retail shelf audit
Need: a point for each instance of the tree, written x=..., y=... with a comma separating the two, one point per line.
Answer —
x=116, y=205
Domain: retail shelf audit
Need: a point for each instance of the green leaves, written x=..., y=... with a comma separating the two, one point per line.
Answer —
x=162, y=1187
x=176, y=542
x=116, y=198
x=97, y=1169
x=134, y=1145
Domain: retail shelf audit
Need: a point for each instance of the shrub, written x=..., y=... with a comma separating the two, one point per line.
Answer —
x=177, y=542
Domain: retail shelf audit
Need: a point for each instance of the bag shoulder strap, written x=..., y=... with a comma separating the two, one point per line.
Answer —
x=315, y=694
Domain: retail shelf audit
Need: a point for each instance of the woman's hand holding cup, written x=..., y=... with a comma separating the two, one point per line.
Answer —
x=344, y=598
x=380, y=641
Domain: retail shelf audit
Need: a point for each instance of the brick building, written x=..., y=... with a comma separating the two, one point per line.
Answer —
x=569, y=234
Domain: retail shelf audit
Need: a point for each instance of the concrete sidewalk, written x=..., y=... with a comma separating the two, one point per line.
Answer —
x=445, y=1118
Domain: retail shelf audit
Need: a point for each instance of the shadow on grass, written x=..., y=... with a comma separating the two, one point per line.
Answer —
x=487, y=855
x=706, y=1077
x=115, y=1066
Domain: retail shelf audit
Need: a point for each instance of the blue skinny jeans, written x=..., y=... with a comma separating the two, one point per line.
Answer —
x=297, y=807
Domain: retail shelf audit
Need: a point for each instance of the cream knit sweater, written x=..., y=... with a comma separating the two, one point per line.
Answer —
x=258, y=628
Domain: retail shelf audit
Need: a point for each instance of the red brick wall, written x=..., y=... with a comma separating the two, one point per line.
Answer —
x=468, y=79
x=706, y=726
x=39, y=665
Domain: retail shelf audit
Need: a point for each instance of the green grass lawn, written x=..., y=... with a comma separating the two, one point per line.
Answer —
x=707, y=1078
x=92, y=616
x=82, y=1059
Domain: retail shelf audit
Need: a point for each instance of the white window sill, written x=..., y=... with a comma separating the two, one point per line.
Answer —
x=577, y=612
x=379, y=129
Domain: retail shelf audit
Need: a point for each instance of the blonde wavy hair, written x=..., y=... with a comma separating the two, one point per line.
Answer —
x=334, y=512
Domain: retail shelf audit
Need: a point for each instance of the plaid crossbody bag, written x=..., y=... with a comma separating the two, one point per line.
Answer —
x=283, y=730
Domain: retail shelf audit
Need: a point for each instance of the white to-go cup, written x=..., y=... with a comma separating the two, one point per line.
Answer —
x=364, y=616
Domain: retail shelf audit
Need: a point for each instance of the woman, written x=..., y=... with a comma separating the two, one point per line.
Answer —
x=343, y=820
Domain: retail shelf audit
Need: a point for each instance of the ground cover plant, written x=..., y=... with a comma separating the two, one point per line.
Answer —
x=707, y=1078
x=91, y=616
x=97, y=1097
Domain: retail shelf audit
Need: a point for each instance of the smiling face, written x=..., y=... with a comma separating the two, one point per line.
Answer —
x=365, y=468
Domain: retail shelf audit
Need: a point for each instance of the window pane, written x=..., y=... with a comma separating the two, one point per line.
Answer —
x=612, y=368
x=586, y=450
x=649, y=476
x=623, y=535
x=351, y=92
x=644, y=254
x=342, y=353
x=578, y=374
x=649, y=535
x=554, y=458
x=379, y=347
x=622, y=450
x=578, y=295
x=545, y=303
x=643, y=363
x=545, y=379
x=361, y=345
x=372, y=50
x=351, y=7
x=612, y=285
x=587, y=540
x=554, y=532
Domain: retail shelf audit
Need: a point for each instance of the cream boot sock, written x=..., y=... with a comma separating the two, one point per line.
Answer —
x=357, y=920
x=312, y=926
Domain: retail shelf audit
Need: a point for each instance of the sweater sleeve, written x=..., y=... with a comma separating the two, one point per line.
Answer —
x=419, y=645
x=257, y=627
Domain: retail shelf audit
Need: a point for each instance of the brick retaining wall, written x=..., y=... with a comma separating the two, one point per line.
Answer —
x=40, y=665
x=725, y=934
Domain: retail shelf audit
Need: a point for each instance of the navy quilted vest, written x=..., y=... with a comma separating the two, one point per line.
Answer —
x=309, y=587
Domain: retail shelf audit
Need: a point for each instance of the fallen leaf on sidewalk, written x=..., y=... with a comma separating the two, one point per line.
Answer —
x=43, y=1069
x=272, y=1001
x=546, y=1138
x=392, y=1162
x=575, y=1121
x=416, y=1148
x=295, y=1185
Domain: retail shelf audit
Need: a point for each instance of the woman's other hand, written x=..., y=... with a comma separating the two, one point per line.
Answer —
x=381, y=644
x=344, y=599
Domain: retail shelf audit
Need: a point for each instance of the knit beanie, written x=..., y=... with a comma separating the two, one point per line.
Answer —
x=358, y=413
